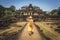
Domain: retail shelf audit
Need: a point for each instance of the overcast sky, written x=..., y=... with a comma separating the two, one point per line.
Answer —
x=45, y=5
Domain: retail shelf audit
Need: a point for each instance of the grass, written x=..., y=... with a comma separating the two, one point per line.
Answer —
x=21, y=23
x=8, y=34
x=15, y=30
x=49, y=35
x=45, y=32
x=51, y=25
x=19, y=26
x=13, y=27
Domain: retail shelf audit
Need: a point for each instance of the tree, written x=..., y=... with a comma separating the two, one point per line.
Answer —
x=12, y=8
x=59, y=11
x=6, y=16
x=53, y=12
x=1, y=10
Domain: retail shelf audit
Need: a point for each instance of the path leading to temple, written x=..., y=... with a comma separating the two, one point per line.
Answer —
x=35, y=36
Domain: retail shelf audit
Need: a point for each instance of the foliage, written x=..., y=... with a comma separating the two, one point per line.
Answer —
x=55, y=12
x=7, y=16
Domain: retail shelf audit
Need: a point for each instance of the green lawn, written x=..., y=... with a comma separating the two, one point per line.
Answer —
x=14, y=27
x=46, y=32
x=15, y=30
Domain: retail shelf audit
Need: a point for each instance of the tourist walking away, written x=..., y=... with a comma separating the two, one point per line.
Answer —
x=30, y=25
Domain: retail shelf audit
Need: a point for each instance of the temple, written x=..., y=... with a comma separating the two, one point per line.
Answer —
x=30, y=10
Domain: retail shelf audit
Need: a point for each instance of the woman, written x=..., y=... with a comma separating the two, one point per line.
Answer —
x=30, y=25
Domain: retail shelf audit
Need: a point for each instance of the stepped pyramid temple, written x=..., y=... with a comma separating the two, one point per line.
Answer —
x=30, y=10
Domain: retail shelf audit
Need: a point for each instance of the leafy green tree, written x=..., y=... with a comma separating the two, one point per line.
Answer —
x=12, y=8
x=59, y=11
x=53, y=13
x=1, y=11
x=6, y=15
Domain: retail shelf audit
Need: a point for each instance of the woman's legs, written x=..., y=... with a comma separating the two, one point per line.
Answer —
x=30, y=32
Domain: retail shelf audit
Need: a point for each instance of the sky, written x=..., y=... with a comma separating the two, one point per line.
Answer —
x=46, y=5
